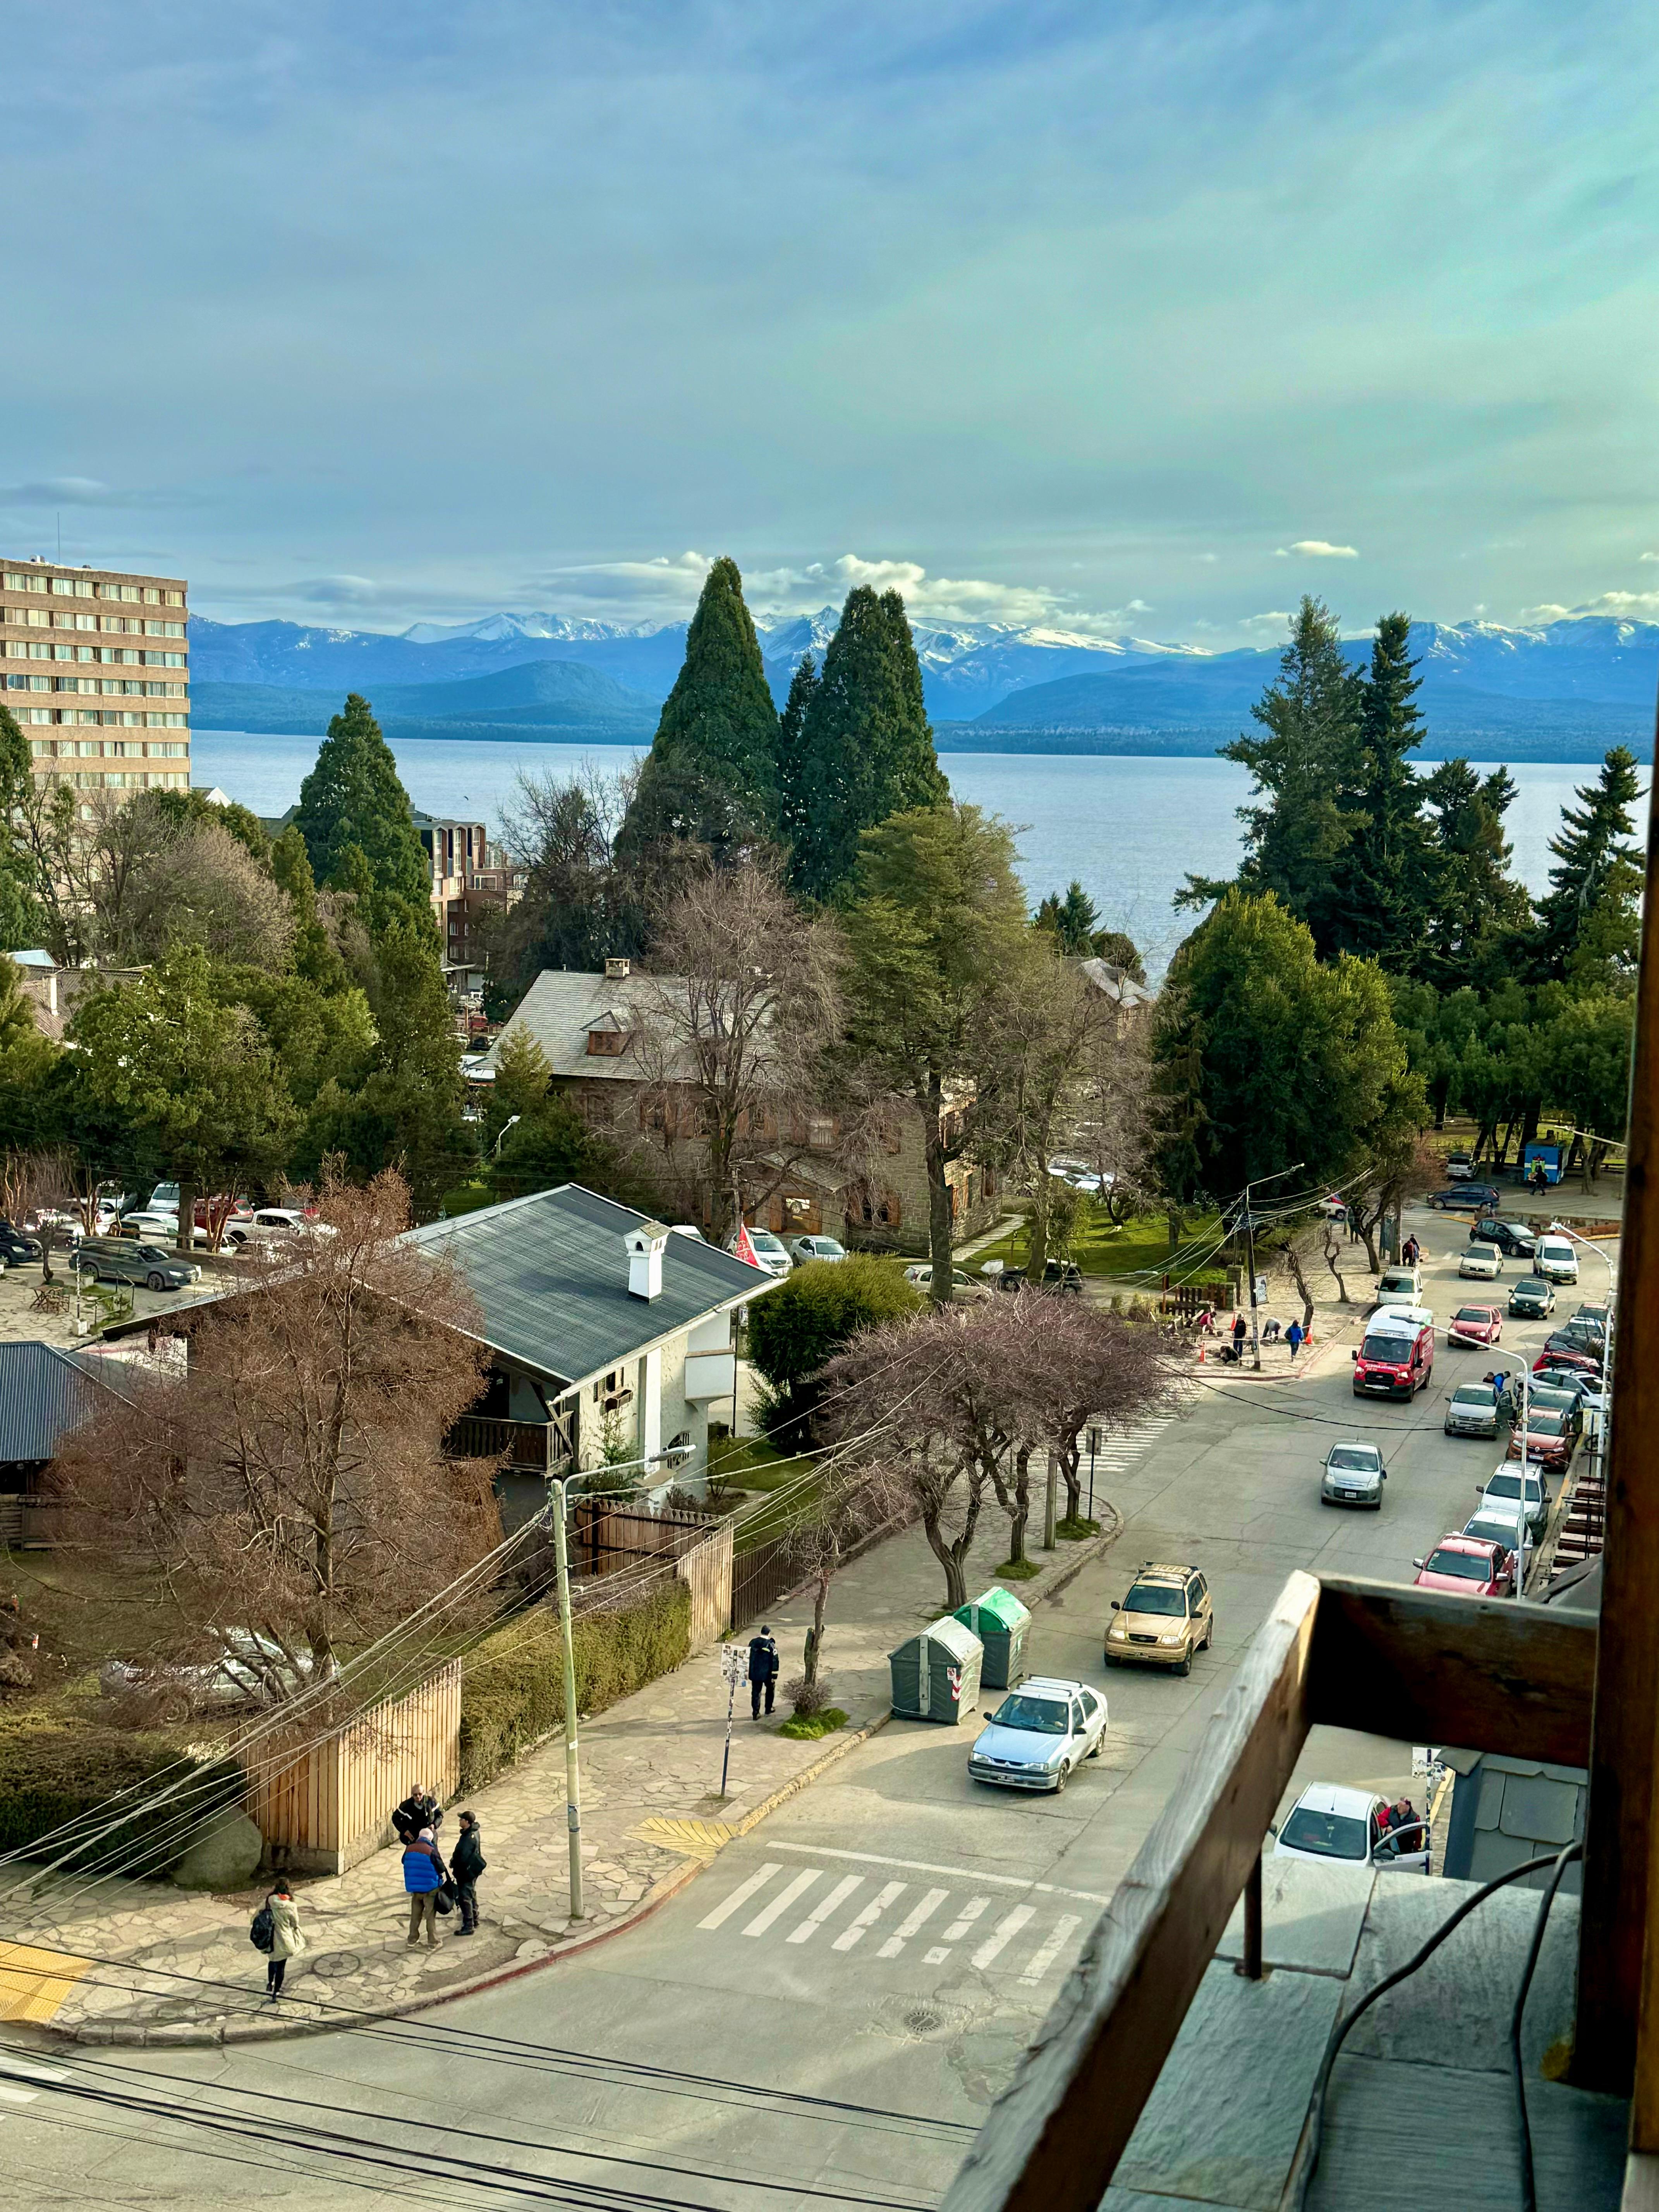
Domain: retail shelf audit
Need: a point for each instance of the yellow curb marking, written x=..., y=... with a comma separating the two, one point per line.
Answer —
x=33, y=1984
x=700, y=1838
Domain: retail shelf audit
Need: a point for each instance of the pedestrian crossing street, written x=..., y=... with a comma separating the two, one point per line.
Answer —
x=870, y=1918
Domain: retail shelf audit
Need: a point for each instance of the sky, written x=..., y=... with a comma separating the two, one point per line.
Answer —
x=1139, y=319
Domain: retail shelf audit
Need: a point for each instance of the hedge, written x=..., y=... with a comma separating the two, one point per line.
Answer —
x=55, y=1766
x=814, y=1313
x=512, y=1683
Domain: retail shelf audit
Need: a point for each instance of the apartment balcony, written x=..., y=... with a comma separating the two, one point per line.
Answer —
x=540, y=1447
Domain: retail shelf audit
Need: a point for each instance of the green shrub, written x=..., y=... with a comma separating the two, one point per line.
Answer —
x=804, y=1727
x=54, y=1767
x=512, y=1683
x=817, y=1310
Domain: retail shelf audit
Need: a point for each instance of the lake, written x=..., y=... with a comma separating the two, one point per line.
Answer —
x=1129, y=829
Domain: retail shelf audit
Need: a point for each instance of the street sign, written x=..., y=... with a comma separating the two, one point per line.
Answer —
x=734, y=1663
x=1259, y=1291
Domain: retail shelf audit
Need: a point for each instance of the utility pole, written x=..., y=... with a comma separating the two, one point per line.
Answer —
x=1049, y=1506
x=1249, y=1247
x=573, y=1787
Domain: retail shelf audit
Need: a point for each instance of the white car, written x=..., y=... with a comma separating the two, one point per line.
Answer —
x=1038, y=1735
x=771, y=1254
x=1330, y=1823
x=803, y=1249
x=254, y=1670
x=1081, y=1177
x=273, y=1224
x=1554, y=1259
x=1485, y=1262
x=1509, y=1485
x=965, y=1289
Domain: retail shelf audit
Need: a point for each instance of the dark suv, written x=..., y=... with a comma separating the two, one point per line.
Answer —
x=119, y=1260
x=1061, y=1279
x=1513, y=1238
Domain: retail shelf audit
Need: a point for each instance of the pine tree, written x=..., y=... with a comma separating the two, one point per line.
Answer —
x=711, y=775
x=1589, y=920
x=1380, y=885
x=353, y=797
x=1475, y=907
x=1073, y=920
x=792, y=752
x=867, y=742
x=21, y=923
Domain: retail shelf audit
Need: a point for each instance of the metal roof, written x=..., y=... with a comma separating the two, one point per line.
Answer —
x=550, y=1272
x=43, y=1394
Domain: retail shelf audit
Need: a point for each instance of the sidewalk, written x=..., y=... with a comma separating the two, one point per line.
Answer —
x=149, y=1963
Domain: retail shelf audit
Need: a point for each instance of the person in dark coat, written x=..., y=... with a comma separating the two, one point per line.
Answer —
x=423, y=1877
x=420, y=1809
x=1293, y=1337
x=466, y=1863
x=762, y=1671
x=1241, y=1330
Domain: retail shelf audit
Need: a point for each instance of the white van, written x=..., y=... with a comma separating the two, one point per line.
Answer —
x=1555, y=1260
x=1399, y=1286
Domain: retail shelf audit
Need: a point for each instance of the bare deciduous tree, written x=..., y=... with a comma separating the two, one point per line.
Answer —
x=201, y=884
x=1083, y=1368
x=292, y=1488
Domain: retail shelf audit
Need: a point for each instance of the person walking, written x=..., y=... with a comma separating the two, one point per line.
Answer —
x=420, y=1809
x=466, y=1863
x=288, y=1938
x=1293, y=1337
x=1241, y=1330
x=423, y=1877
x=762, y=1671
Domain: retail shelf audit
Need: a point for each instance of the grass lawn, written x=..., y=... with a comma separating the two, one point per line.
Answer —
x=752, y=1465
x=467, y=1198
x=1141, y=1246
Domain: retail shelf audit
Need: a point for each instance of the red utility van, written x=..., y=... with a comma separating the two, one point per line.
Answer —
x=1397, y=1357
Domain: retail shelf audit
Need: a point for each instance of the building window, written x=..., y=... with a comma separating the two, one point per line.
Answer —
x=875, y=1209
x=606, y=1044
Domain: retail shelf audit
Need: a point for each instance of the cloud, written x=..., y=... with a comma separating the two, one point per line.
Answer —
x=1278, y=618
x=1318, y=548
x=83, y=491
x=1620, y=606
x=339, y=592
x=1648, y=557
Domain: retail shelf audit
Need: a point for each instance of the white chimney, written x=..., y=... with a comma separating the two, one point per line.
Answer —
x=646, y=1246
x=616, y=971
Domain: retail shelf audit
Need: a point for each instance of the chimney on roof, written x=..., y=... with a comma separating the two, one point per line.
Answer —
x=616, y=969
x=646, y=1246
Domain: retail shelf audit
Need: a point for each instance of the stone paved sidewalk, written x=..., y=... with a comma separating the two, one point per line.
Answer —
x=166, y=1966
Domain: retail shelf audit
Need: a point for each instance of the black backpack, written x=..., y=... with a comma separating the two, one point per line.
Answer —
x=263, y=1933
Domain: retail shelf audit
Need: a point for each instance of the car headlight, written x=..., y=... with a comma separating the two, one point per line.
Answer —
x=1173, y=1636
x=1117, y=1630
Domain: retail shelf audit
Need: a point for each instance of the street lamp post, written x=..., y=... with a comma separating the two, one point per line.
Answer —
x=511, y=1121
x=573, y=1785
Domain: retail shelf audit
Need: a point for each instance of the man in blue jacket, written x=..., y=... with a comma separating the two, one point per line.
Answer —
x=762, y=1671
x=423, y=1877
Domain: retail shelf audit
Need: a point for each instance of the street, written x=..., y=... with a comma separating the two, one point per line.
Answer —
x=823, y=2015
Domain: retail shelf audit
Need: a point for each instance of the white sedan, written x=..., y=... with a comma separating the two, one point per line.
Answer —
x=1485, y=1262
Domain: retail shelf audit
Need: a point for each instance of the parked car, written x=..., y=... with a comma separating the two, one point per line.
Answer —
x=1513, y=1486
x=1552, y=1436
x=1038, y=1735
x=1472, y=1411
x=1330, y=1822
x=160, y=1228
x=1164, y=1617
x=1554, y=1258
x=1469, y=1566
x=1473, y=1325
x=1396, y=1358
x=803, y=1249
x=1459, y=1167
x=1564, y=1351
x=1532, y=1299
x=16, y=1248
x=1354, y=1475
x=254, y=1670
x=1513, y=1238
x=1482, y=1196
x=1399, y=1286
x=1483, y=1262
x=1501, y=1521
x=130, y=1260
x=965, y=1289
x=1081, y=1177
x=687, y=1229
x=1597, y=1316
x=1061, y=1279
x=277, y=1224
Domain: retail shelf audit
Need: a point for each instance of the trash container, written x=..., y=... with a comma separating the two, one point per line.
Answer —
x=936, y=1673
x=1000, y=1622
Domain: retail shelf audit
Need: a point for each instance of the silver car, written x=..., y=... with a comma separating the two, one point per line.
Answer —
x=803, y=1249
x=1472, y=1411
x=1354, y=1475
x=1038, y=1734
x=1508, y=1486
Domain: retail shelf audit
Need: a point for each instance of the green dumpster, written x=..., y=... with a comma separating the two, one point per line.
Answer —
x=1000, y=1622
x=936, y=1673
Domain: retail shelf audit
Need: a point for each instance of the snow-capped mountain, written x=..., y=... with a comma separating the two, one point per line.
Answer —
x=493, y=628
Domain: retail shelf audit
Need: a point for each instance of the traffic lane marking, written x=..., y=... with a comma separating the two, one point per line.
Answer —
x=741, y=1895
x=781, y=1903
x=912, y=1924
x=970, y=1874
x=815, y=1919
x=1044, y=1956
x=868, y=1917
x=1006, y=1928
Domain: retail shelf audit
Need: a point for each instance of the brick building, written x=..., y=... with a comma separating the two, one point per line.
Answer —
x=94, y=664
x=467, y=878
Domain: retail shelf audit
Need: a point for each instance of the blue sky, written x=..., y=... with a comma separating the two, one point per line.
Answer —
x=1136, y=319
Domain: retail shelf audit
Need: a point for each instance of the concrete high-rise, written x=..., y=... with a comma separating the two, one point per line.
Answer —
x=95, y=666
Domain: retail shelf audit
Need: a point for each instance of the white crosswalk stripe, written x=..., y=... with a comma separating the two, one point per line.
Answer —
x=11, y=2095
x=950, y=1918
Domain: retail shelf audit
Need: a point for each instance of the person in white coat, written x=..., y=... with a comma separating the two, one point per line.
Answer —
x=288, y=1938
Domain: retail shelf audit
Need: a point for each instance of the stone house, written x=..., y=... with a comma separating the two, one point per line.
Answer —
x=588, y=1028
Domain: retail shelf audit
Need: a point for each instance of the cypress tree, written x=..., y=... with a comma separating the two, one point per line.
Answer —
x=867, y=745
x=1590, y=919
x=1475, y=907
x=1380, y=888
x=711, y=775
x=792, y=752
x=353, y=797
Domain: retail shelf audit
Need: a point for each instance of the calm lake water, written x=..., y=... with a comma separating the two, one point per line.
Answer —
x=1129, y=829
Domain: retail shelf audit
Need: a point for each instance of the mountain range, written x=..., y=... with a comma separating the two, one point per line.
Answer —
x=1565, y=690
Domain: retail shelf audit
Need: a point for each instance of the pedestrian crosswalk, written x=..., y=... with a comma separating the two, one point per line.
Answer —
x=16, y=2074
x=863, y=1917
x=1121, y=1448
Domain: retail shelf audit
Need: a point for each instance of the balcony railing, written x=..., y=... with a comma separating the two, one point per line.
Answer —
x=541, y=1445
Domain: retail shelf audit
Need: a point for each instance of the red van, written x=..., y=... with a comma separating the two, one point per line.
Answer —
x=1397, y=1357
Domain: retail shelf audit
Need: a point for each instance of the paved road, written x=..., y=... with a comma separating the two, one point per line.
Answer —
x=889, y=1940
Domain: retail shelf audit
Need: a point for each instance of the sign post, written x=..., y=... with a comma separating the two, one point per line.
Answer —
x=734, y=1666
x=1093, y=1446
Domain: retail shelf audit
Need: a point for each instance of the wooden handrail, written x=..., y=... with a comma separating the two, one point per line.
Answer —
x=1420, y=1665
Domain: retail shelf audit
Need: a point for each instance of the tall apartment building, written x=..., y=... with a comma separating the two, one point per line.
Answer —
x=95, y=667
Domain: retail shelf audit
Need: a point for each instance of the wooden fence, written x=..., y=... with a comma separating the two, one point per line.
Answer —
x=706, y=1570
x=323, y=1807
x=759, y=1579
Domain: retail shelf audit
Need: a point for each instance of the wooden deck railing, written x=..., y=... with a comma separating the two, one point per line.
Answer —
x=1402, y=1662
x=527, y=1444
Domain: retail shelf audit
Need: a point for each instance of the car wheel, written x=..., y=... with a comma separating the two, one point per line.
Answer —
x=1186, y=1666
x=1095, y=1747
x=1061, y=1779
x=155, y=1282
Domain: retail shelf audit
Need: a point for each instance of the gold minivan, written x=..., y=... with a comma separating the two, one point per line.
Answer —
x=1165, y=1616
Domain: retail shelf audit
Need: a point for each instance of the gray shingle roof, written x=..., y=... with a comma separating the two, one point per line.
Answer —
x=43, y=1394
x=561, y=1007
x=551, y=1273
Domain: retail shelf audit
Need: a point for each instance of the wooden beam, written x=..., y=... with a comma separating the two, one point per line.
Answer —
x=1428, y=1666
x=1054, y=2138
x=1614, y=1917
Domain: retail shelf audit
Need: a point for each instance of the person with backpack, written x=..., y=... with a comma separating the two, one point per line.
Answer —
x=424, y=1875
x=466, y=1863
x=277, y=1932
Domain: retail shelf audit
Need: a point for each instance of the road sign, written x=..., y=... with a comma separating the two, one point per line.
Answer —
x=1259, y=1291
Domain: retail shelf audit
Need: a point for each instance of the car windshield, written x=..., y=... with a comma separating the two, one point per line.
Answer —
x=1363, y=1456
x=763, y=1241
x=1483, y=1251
x=827, y=1247
x=1504, y=1486
x=1467, y=1566
x=1474, y=1393
x=1530, y=1287
x=1472, y=1313
x=1043, y=1716
x=1152, y=1597
x=1331, y=1835
x=1546, y=1423
x=1396, y=1350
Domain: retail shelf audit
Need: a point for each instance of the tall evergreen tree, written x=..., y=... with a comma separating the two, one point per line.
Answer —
x=792, y=752
x=1589, y=920
x=867, y=742
x=21, y=922
x=1380, y=883
x=353, y=797
x=1475, y=907
x=711, y=775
